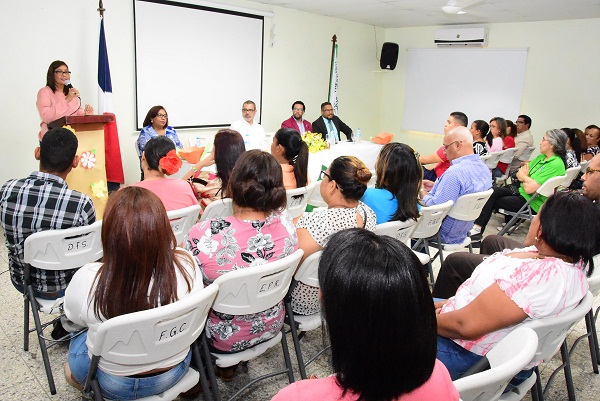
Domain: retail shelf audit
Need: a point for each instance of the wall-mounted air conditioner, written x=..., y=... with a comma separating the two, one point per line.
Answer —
x=461, y=37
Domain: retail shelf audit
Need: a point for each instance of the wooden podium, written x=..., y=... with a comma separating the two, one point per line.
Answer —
x=90, y=175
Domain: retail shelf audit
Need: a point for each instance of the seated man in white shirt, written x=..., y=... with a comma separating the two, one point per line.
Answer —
x=252, y=132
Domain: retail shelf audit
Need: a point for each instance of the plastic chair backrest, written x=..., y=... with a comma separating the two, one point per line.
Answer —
x=493, y=159
x=218, y=208
x=297, y=199
x=316, y=199
x=65, y=249
x=570, y=175
x=594, y=280
x=154, y=335
x=527, y=153
x=506, y=359
x=431, y=219
x=182, y=220
x=508, y=156
x=401, y=230
x=254, y=289
x=583, y=165
x=547, y=188
x=308, y=272
x=551, y=331
x=373, y=180
x=468, y=207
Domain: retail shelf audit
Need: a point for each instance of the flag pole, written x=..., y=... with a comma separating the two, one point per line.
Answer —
x=101, y=8
x=333, y=42
x=333, y=77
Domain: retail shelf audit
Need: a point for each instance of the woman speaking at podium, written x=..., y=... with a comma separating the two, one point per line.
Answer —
x=58, y=98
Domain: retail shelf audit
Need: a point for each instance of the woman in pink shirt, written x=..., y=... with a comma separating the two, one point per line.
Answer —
x=381, y=323
x=160, y=160
x=292, y=153
x=547, y=277
x=58, y=98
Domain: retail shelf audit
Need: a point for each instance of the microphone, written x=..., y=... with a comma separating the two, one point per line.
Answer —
x=68, y=84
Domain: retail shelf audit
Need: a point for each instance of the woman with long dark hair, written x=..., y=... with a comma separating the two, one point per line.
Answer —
x=380, y=322
x=209, y=186
x=292, y=153
x=399, y=178
x=141, y=269
x=58, y=98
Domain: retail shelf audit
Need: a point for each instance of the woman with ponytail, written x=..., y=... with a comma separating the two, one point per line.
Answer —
x=292, y=153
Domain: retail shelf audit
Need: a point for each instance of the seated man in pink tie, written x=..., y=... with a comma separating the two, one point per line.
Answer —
x=296, y=121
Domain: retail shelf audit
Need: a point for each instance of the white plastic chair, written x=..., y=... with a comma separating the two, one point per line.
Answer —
x=297, y=199
x=252, y=290
x=308, y=274
x=491, y=159
x=552, y=332
x=525, y=212
x=527, y=153
x=428, y=228
x=182, y=220
x=65, y=249
x=316, y=199
x=151, y=336
x=218, y=208
x=506, y=359
x=584, y=165
x=507, y=158
x=570, y=175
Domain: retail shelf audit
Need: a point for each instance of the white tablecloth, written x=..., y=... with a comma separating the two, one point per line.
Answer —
x=365, y=151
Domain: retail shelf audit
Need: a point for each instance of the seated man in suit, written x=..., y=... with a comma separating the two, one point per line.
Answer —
x=42, y=201
x=328, y=123
x=296, y=121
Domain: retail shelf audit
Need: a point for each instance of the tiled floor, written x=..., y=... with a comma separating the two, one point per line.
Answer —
x=22, y=374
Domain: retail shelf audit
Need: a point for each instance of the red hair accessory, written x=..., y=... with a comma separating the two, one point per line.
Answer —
x=171, y=163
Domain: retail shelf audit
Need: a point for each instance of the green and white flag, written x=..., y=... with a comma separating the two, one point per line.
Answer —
x=333, y=79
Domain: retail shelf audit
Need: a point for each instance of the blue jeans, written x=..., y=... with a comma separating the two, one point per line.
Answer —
x=456, y=359
x=122, y=387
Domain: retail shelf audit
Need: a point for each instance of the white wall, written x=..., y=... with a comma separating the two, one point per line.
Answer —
x=295, y=68
x=562, y=84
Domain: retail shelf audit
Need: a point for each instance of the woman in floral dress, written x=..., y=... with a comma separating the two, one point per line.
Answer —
x=260, y=231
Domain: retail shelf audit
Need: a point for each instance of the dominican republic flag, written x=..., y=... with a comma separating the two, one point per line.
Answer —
x=105, y=103
x=333, y=80
x=112, y=148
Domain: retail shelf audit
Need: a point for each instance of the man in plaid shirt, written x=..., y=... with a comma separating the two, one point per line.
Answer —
x=43, y=201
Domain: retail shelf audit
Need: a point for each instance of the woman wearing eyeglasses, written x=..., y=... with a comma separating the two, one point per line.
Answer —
x=550, y=163
x=342, y=186
x=156, y=123
x=58, y=98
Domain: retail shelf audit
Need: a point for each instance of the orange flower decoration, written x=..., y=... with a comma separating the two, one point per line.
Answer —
x=171, y=163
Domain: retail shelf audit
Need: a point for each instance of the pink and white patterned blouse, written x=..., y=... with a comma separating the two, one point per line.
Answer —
x=541, y=287
x=225, y=244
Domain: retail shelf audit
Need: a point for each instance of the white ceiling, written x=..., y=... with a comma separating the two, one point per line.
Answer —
x=405, y=13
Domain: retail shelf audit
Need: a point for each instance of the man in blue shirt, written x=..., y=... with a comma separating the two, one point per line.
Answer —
x=467, y=174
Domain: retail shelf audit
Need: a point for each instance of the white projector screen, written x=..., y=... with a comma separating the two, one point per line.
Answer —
x=482, y=83
x=200, y=63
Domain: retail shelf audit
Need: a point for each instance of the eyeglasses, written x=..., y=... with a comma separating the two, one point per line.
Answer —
x=248, y=110
x=590, y=170
x=450, y=144
x=62, y=72
x=327, y=110
x=298, y=109
x=162, y=115
x=323, y=174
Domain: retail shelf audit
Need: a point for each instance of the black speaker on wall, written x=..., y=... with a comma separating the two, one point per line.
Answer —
x=389, y=56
